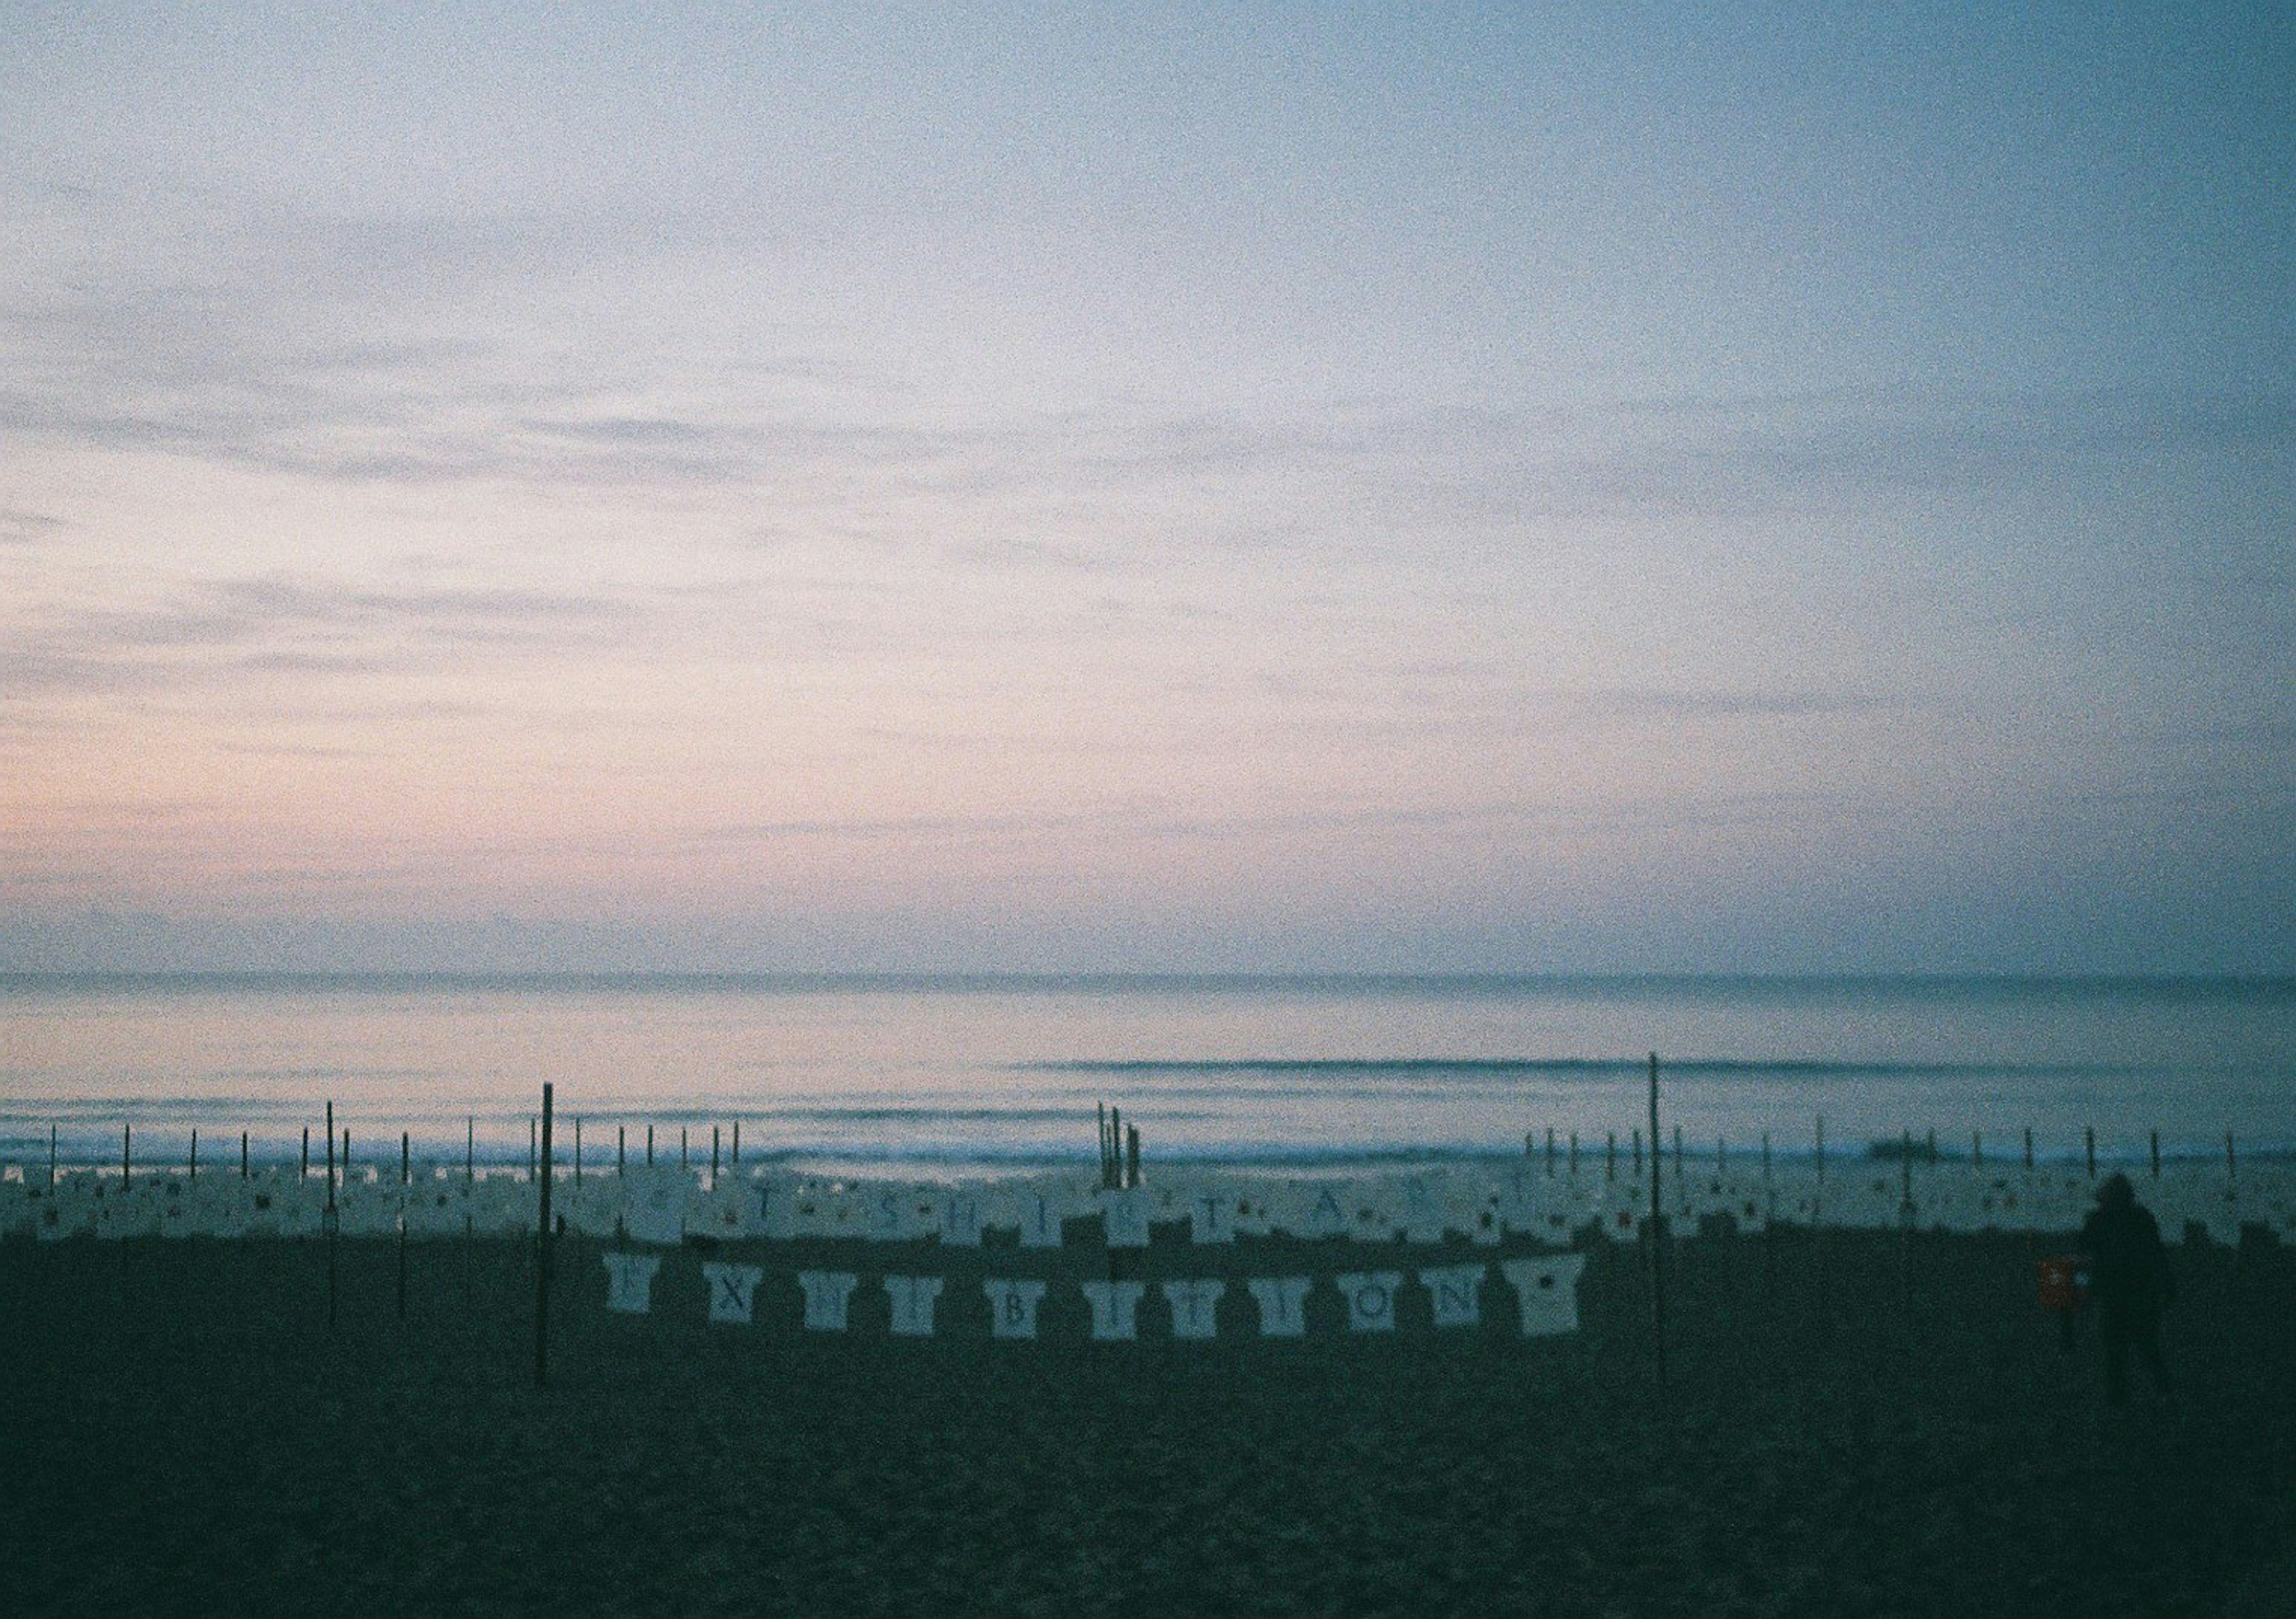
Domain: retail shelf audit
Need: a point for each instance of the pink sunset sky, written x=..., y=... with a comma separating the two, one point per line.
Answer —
x=1288, y=488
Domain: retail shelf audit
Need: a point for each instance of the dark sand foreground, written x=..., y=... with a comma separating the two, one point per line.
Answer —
x=181, y=1432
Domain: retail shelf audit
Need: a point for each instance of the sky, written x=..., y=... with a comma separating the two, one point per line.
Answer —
x=1603, y=487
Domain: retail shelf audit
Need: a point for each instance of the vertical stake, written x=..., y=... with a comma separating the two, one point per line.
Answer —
x=684, y=1160
x=621, y=1151
x=1550, y=1149
x=1609, y=1155
x=1132, y=1155
x=126, y=1154
x=578, y=1149
x=1906, y=1230
x=405, y=1176
x=1658, y=1236
x=649, y=1145
x=242, y=1155
x=2088, y=1149
x=542, y=1255
x=713, y=1155
x=329, y=1219
x=195, y=1153
x=1638, y=1151
x=2156, y=1154
x=52, y=1160
x=737, y=1139
x=1977, y=1149
x=1574, y=1155
x=2028, y=1146
x=305, y=1174
x=2232, y=1165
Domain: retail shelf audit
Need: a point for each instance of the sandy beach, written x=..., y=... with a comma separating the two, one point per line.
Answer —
x=1850, y=1424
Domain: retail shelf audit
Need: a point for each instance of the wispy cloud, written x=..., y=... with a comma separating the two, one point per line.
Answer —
x=300, y=625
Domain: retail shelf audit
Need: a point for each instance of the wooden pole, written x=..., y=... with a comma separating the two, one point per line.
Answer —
x=578, y=1149
x=621, y=1151
x=713, y=1154
x=2232, y=1165
x=684, y=1157
x=2028, y=1146
x=1638, y=1151
x=126, y=1154
x=329, y=1219
x=1609, y=1155
x=1658, y=1236
x=1574, y=1155
x=1550, y=1151
x=195, y=1153
x=2156, y=1154
x=470, y=1148
x=649, y=1145
x=2088, y=1149
x=52, y=1160
x=242, y=1155
x=531, y=1140
x=405, y=1176
x=1977, y=1149
x=1817, y=1236
x=1905, y=1229
x=737, y=1141
x=1769, y=1223
x=542, y=1255
x=305, y=1172
x=1132, y=1155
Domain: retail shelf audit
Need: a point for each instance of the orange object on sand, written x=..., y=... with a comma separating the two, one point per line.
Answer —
x=2065, y=1282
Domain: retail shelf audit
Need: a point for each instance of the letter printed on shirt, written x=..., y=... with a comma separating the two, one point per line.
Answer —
x=1371, y=1299
x=1458, y=1294
x=1040, y=1220
x=913, y=1304
x=1012, y=1307
x=960, y=1219
x=630, y=1281
x=1211, y=1217
x=1115, y=1309
x=1126, y=1214
x=1195, y=1307
x=827, y=1296
x=1282, y=1304
x=733, y=1290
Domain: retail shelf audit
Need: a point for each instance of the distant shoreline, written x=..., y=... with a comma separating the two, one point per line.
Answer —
x=20, y=980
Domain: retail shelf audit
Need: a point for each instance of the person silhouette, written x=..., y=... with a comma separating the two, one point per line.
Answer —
x=2130, y=1283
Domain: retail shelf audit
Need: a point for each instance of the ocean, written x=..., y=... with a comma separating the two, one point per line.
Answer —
x=941, y=1076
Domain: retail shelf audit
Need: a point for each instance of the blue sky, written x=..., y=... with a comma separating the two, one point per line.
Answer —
x=1280, y=487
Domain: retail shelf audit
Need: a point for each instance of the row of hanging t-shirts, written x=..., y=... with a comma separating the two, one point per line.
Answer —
x=1544, y=1289
x=1480, y=1202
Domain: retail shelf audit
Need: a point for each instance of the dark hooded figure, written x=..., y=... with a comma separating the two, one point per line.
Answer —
x=2130, y=1283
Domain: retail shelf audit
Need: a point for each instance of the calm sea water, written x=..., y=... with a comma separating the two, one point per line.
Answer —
x=939, y=1076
